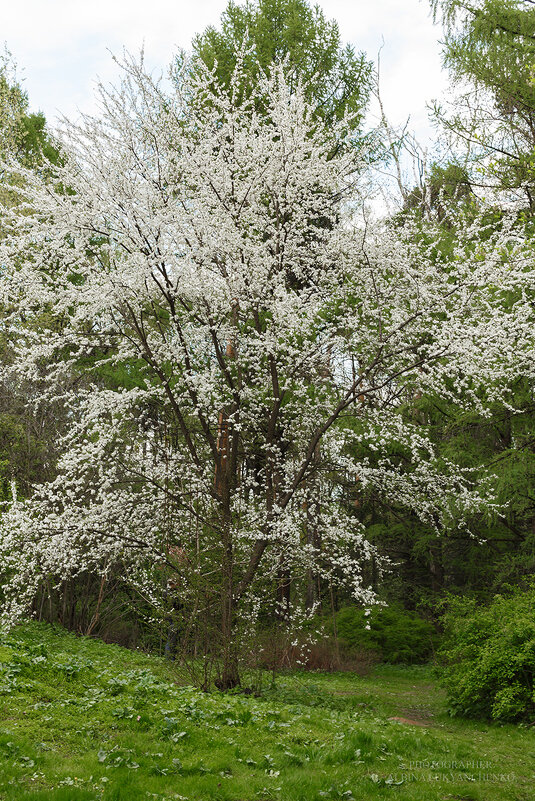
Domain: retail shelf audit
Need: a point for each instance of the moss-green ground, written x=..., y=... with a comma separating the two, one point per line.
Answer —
x=81, y=720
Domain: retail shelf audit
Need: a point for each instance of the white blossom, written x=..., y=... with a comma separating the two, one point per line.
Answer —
x=210, y=247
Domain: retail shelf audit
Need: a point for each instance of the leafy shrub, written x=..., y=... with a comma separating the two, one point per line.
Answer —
x=394, y=634
x=488, y=657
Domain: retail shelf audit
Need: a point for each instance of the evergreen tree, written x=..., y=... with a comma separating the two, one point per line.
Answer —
x=23, y=134
x=266, y=31
x=489, y=49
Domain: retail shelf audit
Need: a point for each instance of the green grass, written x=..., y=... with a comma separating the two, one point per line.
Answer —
x=81, y=721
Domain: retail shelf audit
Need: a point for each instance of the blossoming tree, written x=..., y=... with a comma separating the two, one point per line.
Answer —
x=212, y=248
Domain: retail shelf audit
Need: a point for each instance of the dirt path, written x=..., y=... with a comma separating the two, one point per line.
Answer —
x=412, y=722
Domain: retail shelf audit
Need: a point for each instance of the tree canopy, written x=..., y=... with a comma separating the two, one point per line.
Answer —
x=489, y=49
x=265, y=31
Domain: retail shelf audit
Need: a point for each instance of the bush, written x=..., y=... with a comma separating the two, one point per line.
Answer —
x=395, y=635
x=488, y=657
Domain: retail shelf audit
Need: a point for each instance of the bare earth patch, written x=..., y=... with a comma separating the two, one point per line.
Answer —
x=410, y=722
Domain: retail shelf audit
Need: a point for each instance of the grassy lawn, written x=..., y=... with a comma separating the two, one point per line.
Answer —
x=81, y=721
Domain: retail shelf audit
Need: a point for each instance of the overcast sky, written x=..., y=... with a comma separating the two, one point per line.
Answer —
x=62, y=46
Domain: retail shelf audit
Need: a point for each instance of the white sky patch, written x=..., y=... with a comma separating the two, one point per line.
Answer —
x=62, y=46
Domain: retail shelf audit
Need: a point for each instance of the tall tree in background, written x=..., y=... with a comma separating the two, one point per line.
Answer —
x=23, y=134
x=489, y=49
x=337, y=78
x=27, y=441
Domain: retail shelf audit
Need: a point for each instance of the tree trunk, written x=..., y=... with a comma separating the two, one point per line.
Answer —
x=230, y=676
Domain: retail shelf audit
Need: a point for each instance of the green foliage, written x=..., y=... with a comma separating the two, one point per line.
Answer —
x=396, y=635
x=22, y=452
x=491, y=42
x=23, y=135
x=447, y=187
x=498, y=448
x=489, y=657
x=274, y=30
x=27, y=451
x=489, y=47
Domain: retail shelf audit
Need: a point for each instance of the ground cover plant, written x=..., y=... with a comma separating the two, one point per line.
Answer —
x=83, y=721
